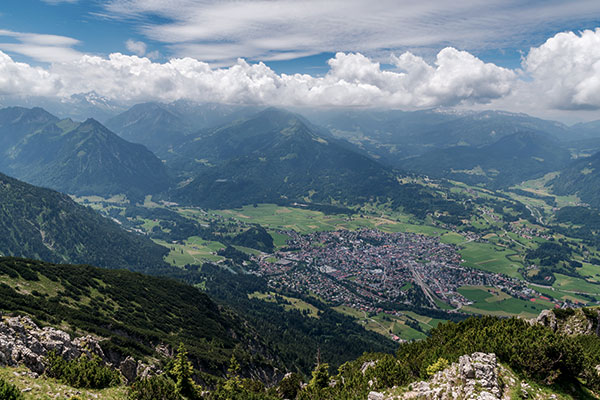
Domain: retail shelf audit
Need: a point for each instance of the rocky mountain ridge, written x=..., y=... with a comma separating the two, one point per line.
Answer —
x=22, y=342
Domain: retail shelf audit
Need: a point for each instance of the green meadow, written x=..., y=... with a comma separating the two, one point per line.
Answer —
x=491, y=301
x=194, y=250
x=490, y=258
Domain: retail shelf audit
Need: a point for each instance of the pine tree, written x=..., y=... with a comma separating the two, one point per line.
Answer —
x=182, y=372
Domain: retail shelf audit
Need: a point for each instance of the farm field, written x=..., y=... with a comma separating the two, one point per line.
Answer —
x=488, y=300
x=490, y=258
x=289, y=303
x=578, y=285
x=309, y=221
x=390, y=324
x=559, y=294
x=194, y=250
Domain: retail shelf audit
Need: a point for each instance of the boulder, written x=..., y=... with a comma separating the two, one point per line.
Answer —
x=129, y=369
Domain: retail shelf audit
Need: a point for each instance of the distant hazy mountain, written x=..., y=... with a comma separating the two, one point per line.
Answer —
x=394, y=135
x=78, y=106
x=586, y=130
x=153, y=125
x=512, y=159
x=78, y=158
x=581, y=177
x=44, y=224
x=274, y=155
x=162, y=127
x=16, y=122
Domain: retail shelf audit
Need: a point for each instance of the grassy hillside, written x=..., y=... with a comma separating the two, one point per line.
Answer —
x=131, y=311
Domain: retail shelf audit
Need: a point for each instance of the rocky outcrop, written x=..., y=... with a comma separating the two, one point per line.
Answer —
x=547, y=318
x=23, y=342
x=131, y=369
x=475, y=376
x=570, y=321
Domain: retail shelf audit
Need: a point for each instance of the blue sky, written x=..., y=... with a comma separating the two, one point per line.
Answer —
x=103, y=27
x=304, y=36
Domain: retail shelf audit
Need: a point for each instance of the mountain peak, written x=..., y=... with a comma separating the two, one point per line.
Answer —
x=275, y=114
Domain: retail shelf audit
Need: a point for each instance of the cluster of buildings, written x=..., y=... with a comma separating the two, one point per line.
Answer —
x=369, y=270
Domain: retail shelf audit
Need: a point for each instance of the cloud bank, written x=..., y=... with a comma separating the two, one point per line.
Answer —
x=564, y=72
x=220, y=31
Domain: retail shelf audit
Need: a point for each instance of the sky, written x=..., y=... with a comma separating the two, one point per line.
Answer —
x=537, y=57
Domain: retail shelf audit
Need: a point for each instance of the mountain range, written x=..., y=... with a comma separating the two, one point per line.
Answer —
x=490, y=148
x=222, y=156
x=161, y=127
x=273, y=156
x=77, y=158
x=512, y=159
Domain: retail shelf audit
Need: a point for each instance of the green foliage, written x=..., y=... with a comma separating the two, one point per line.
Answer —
x=236, y=388
x=320, y=377
x=182, y=371
x=289, y=386
x=75, y=233
x=440, y=365
x=275, y=156
x=99, y=301
x=84, y=372
x=158, y=387
x=550, y=253
x=256, y=238
x=580, y=177
x=535, y=352
x=512, y=159
x=297, y=344
x=9, y=391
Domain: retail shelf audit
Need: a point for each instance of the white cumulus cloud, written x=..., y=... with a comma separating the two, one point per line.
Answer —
x=24, y=80
x=136, y=47
x=353, y=80
x=565, y=70
x=561, y=74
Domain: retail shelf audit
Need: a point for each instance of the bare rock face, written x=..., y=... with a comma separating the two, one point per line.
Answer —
x=547, y=318
x=23, y=342
x=475, y=376
x=479, y=370
x=575, y=322
x=376, y=396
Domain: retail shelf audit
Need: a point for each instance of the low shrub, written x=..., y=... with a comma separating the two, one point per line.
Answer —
x=157, y=387
x=8, y=391
x=84, y=372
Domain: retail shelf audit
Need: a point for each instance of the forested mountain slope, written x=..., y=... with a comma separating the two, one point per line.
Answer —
x=79, y=158
x=44, y=224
